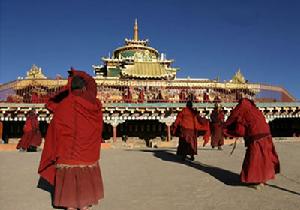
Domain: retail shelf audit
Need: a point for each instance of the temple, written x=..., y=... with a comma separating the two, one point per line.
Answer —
x=136, y=60
x=142, y=95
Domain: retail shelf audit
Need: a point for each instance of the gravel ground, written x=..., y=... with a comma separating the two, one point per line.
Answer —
x=147, y=179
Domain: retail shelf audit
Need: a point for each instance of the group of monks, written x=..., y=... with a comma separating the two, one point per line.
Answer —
x=69, y=160
x=261, y=161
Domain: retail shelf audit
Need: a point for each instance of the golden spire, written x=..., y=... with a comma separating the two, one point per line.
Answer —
x=136, y=31
x=238, y=77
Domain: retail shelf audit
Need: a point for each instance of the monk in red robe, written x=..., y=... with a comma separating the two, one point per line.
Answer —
x=127, y=95
x=141, y=97
x=182, y=96
x=31, y=138
x=216, y=123
x=204, y=125
x=261, y=160
x=186, y=124
x=1, y=132
x=71, y=153
x=206, y=97
x=34, y=97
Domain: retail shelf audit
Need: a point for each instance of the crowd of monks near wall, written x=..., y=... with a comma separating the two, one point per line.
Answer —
x=125, y=94
x=31, y=94
x=164, y=95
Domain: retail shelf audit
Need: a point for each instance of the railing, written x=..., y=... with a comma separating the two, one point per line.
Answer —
x=39, y=91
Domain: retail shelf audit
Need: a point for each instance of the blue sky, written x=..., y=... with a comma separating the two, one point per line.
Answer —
x=207, y=39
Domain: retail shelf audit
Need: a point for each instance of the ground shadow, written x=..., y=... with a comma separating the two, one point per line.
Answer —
x=283, y=189
x=225, y=176
x=208, y=149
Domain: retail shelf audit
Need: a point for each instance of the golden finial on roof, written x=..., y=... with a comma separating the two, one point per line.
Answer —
x=238, y=77
x=136, y=31
x=35, y=73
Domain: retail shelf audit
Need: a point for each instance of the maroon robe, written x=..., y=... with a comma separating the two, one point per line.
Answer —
x=204, y=126
x=31, y=133
x=141, y=97
x=186, y=125
x=127, y=96
x=182, y=96
x=206, y=97
x=72, y=146
x=75, y=131
x=216, y=123
x=261, y=160
x=35, y=98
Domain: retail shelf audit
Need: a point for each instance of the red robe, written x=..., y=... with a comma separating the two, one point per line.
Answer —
x=186, y=125
x=141, y=97
x=127, y=96
x=35, y=98
x=75, y=131
x=261, y=160
x=182, y=96
x=31, y=133
x=217, y=120
x=204, y=125
x=206, y=97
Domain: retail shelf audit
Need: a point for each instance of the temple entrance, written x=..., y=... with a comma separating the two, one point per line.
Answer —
x=285, y=127
x=143, y=129
x=148, y=129
x=107, y=131
x=12, y=129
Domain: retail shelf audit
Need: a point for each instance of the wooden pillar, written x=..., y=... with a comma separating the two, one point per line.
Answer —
x=169, y=132
x=114, y=133
x=1, y=132
x=168, y=122
x=114, y=123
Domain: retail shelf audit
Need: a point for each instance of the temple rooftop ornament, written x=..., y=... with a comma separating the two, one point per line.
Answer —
x=238, y=77
x=35, y=73
x=136, y=59
x=136, y=31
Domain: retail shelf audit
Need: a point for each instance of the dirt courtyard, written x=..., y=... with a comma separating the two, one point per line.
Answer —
x=154, y=179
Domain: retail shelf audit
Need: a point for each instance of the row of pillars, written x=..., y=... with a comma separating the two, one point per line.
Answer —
x=1, y=131
x=115, y=122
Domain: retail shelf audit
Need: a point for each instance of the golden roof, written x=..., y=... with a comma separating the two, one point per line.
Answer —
x=147, y=70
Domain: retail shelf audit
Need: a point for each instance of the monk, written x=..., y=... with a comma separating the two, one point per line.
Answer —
x=261, y=160
x=204, y=126
x=216, y=123
x=186, y=125
x=206, y=97
x=141, y=97
x=182, y=96
x=31, y=138
x=71, y=153
x=127, y=95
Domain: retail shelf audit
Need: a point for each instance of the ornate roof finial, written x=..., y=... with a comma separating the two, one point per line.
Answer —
x=136, y=31
x=238, y=77
x=35, y=73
